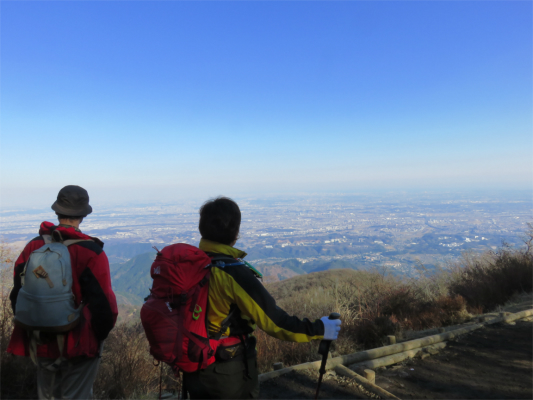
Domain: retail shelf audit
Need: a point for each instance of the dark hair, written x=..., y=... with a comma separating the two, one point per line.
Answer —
x=220, y=220
x=77, y=218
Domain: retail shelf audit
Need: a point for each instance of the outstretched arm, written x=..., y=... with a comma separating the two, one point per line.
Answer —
x=256, y=303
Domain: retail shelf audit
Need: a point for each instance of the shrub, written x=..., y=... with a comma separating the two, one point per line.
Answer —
x=372, y=305
x=492, y=280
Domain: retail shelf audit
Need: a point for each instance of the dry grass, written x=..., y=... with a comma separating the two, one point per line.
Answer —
x=372, y=305
x=486, y=284
x=18, y=371
x=127, y=370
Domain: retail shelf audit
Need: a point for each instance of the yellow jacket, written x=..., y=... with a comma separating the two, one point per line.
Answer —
x=237, y=288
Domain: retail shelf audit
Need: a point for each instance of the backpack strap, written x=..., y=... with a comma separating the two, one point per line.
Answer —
x=196, y=292
x=182, y=331
x=181, y=325
x=57, y=237
x=23, y=273
x=35, y=340
x=217, y=260
x=194, y=298
x=73, y=241
x=224, y=325
x=242, y=338
x=221, y=261
x=47, y=239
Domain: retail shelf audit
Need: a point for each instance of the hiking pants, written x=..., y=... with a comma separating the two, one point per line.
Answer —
x=224, y=380
x=74, y=380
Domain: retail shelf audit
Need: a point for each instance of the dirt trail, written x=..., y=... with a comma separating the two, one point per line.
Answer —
x=494, y=362
x=302, y=385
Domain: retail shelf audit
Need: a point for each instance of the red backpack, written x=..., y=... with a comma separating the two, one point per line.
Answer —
x=174, y=315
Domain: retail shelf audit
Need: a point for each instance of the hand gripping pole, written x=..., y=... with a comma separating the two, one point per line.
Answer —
x=323, y=349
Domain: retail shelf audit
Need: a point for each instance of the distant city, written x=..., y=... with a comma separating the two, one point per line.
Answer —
x=395, y=231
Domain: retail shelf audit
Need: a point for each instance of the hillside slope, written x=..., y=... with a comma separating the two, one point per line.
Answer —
x=131, y=280
x=302, y=283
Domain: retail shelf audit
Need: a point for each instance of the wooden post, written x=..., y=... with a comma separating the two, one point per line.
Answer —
x=278, y=365
x=391, y=339
x=370, y=376
x=504, y=314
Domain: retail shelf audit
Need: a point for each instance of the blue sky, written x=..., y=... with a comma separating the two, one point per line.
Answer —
x=153, y=101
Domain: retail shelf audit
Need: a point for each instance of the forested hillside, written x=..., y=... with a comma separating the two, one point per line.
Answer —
x=131, y=280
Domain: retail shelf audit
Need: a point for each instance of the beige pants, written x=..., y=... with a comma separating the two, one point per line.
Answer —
x=74, y=380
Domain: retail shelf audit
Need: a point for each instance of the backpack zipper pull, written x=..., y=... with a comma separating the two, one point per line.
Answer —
x=40, y=272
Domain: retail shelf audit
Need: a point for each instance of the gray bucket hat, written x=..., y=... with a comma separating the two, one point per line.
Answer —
x=73, y=201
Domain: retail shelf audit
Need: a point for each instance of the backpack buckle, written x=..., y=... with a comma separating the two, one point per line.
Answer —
x=196, y=312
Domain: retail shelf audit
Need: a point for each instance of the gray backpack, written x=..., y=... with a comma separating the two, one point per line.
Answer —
x=46, y=302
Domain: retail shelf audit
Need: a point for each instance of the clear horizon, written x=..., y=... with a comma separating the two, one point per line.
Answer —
x=162, y=101
x=192, y=204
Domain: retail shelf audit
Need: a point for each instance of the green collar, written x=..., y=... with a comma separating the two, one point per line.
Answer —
x=213, y=247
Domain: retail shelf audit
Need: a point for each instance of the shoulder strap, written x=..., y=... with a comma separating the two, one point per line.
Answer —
x=221, y=262
x=58, y=238
x=73, y=241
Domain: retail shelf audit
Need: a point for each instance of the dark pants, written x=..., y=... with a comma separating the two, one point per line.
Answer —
x=224, y=380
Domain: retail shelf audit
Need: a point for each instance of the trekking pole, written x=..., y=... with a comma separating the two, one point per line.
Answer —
x=323, y=349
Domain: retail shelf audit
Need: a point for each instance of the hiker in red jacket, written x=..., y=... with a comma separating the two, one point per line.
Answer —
x=73, y=376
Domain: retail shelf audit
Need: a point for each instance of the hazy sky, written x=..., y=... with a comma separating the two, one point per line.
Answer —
x=156, y=100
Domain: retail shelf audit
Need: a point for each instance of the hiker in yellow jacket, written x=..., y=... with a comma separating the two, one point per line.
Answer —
x=237, y=296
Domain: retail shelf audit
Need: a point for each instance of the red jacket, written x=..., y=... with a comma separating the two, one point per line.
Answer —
x=91, y=282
